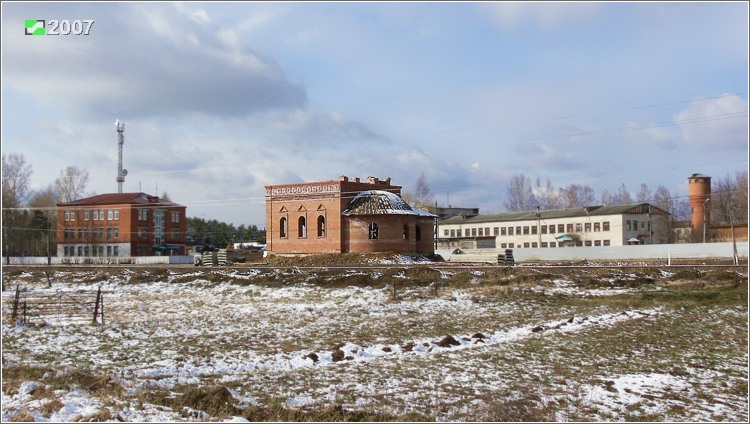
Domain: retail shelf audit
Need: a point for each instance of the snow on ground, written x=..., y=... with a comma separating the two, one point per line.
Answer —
x=352, y=346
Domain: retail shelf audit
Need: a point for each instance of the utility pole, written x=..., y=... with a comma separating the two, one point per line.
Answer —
x=538, y=227
x=650, y=227
x=735, y=257
x=49, y=254
x=436, y=225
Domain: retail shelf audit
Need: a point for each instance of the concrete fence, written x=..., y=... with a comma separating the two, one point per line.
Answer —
x=99, y=260
x=650, y=251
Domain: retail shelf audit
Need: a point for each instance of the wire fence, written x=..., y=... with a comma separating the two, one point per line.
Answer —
x=58, y=306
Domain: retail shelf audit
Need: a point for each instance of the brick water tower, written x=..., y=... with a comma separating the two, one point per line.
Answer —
x=699, y=189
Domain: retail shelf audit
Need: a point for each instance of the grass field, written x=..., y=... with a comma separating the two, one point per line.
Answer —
x=323, y=344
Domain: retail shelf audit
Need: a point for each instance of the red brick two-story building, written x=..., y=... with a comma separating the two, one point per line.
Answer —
x=344, y=215
x=120, y=224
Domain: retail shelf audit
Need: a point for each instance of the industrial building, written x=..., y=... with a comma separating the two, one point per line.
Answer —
x=614, y=225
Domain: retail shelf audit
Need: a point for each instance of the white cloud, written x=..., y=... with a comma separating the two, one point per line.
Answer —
x=303, y=37
x=663, y=137
x=716, y=123
x=197, y=15
x=177, y=67
x=510, y=16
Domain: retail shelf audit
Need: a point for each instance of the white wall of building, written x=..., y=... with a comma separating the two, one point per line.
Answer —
x=621, y=229
x=656, y=251
x=98, y=260
x=122, y=249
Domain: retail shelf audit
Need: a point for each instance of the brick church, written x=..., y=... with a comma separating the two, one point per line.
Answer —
x=340, y=216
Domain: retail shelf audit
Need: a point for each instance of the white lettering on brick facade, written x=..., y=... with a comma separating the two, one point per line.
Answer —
x=305, y=189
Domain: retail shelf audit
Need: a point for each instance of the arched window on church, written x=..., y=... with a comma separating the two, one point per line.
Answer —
x=418, y=233
x=282, y=227
x=373, y=233
x=406, y=232
x=302, y=227
x=321, y=226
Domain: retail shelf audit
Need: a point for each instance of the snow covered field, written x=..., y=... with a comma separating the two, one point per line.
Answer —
x=613, y=347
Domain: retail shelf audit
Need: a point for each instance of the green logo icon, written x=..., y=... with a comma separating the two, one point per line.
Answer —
x=35, y=27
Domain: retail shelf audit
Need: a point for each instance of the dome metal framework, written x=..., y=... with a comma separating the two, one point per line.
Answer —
x=379, y=202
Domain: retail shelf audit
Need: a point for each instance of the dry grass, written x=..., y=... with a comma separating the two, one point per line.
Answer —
x=702, y=325
x=523, y=406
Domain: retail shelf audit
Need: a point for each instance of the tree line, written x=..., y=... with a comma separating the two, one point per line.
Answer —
x=30, y=217
x=728, y=203
x=220, y=234
x=728, y=197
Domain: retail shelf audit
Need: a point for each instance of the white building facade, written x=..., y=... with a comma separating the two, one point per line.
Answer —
x=616, y=225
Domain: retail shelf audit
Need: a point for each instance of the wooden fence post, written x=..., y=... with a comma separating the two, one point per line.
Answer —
x=15, y=302
x=96, y=305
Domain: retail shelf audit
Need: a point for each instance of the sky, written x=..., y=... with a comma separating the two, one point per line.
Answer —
x=221, y=99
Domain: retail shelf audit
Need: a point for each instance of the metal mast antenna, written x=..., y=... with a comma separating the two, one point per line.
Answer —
x=121, y=173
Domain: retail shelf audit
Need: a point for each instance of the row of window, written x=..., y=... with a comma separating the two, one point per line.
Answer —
x=302, y=227
x=94, y=215
x=111, y=215
x=372, y=232
x=158, y=215
x=530, y=229
x=143, y=234
x=91, y=233
x=633, y=225
x=98, y=233
x=321, y=229
x=555, y=244
x=93, y=251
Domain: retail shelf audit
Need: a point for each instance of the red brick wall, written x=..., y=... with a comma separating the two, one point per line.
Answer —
x=343, y=234
x=390, y=234
x=128, y=225
x=294, y=242
x=427, y=243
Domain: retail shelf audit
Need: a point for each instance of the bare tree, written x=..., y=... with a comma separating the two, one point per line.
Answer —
x=71, y=184
x=622, y=196
x=644, y=194
x=16, y=174
x=576, y=196
x=41, y=231
x=740, y=193
x=678, y=209
x=546, y=196
x=15, y=180
x=729, y=199
x=422, y=195
x=519, y=195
